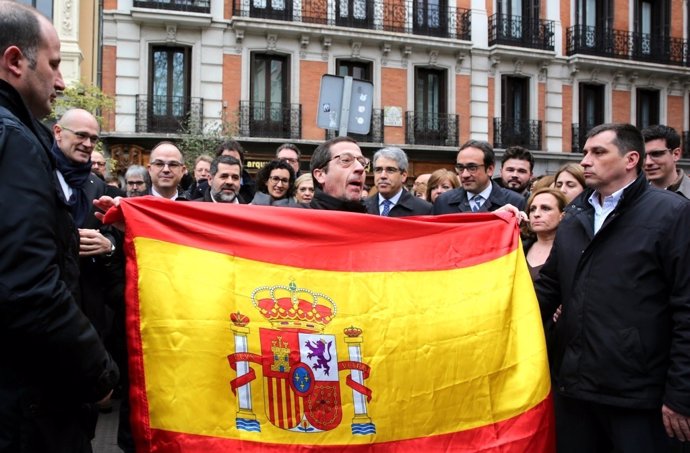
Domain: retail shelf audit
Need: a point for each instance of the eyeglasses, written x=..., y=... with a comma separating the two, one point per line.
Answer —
x=97, y=164
x=290, y=160
x=389, y=170
x=657, y=153
x=471, y=168
x=135, y=183
x=277, y=179
x=82, y=136
x=346, y=160
x=172, y=165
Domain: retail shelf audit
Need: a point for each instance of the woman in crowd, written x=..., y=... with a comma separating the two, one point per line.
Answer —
x=570, y=179
x=545, y=210
x=304, y=189
x=275, y=183
x=441, y=181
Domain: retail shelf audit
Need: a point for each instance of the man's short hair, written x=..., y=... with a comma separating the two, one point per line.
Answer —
x=322, y=156
x=19, y=26
x=628, y=138
x=167, y=142
x=230, y=145
x=227, y=160
x=485, y=147
x=518, y=153
x=663, y=132
x=202, y=157
x=289, y=146
x=137, y=170
x=393, y=153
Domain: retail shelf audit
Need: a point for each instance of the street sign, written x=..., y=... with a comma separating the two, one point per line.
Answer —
x=345, y=104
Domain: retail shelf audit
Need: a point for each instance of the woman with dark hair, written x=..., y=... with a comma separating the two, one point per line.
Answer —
x=275, y=183
x=545, y=210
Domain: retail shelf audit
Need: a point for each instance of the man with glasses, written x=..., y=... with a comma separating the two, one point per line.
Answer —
x=474, y=165
x=290, y=153
x=390, y=174
x=98, y=164
x=166, y=168
x=338, y=168
x=136, y=183
x=662, y=151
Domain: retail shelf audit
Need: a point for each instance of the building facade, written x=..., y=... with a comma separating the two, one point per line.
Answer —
x=536, y=73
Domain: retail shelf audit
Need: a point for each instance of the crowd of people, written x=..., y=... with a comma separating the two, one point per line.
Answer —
x=606, y=243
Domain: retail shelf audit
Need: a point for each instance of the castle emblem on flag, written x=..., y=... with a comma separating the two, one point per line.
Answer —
x=299, y=363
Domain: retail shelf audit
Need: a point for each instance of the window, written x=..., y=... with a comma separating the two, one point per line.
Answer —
x=647, y=108
x=591, y=106
x=169, y=88
x=271, y=9
x=354, y=13
x=515, y=107
x=516, y=17
x=270, y=110
x=355, y=69
x=44, y=6
x=651, y=26
x=595, y=18
x=430, y=115
x=430, y=17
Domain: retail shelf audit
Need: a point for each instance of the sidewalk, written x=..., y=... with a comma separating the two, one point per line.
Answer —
x=106, y=431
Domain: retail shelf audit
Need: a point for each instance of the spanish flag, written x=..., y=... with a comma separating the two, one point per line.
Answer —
x=256, y=328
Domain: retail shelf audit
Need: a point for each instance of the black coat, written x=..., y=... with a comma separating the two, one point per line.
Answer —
x=455, y=201
x=623, y=337
x=407, y=205
x=322, y=200
x=52, y=358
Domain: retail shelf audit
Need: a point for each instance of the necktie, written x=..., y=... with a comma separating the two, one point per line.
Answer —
x=478, y=202
x=386, y=207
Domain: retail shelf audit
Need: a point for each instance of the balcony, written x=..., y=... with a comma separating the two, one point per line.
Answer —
x=626, y=45
x=270, y=119
x=526, y=133
x=579, y=136
x=399, y=17
x=685, y=144
x=191, y=6
x=439, y=129
x=169, y=114
x=375, y=134
x=521, y=32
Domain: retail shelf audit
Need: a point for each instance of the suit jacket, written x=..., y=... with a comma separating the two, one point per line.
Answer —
x=455, y=201
x=407, y=205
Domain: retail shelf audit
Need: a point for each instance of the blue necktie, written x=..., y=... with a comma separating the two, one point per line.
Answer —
x=386, y=207
x=477, y=205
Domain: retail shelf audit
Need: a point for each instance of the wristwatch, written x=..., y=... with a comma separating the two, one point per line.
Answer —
x=112, y=250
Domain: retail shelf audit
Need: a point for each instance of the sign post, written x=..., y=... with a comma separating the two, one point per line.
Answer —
x=345, y=104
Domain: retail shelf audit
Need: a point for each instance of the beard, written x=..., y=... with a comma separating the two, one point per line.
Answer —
x=224, y=197
x=136, y=193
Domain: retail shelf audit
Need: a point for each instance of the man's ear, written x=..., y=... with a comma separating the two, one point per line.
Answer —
x=320, y=175
x=632, y=157
x=14, y=61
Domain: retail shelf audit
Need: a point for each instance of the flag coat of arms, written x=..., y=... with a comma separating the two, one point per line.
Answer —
x=256, y=328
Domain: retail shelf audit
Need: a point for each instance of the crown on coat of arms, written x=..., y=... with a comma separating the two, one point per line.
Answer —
x=293, y=307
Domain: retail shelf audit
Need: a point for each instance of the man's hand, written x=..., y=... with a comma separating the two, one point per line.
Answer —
x=676, y=425
x=104, y=203
x=92, y=243
x=521, y=216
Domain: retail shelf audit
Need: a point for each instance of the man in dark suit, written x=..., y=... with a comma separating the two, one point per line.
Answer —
x=390, y=174
x=475, y=164
x=224, y=187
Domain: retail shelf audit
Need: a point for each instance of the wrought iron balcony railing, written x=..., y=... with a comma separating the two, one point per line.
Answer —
x=169, y=114
x=409, y=16
x=579, y=136
x=270, y=119
x=375, y=134
x=627, y=45
x=685, y=145
x=191, y=6
x=438, y=129
x=521, y=31
x=508, y=132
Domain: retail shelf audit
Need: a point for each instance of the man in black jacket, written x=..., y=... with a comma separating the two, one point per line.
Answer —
x=619, y=267
x=475, y=164
x=53, y=361
x=392, y=199
x=224, y=186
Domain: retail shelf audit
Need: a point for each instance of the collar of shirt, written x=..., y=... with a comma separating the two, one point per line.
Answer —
x=610, y=203
x=394, y=199
x=484, y=193
x=156, y=194
x=66, y=189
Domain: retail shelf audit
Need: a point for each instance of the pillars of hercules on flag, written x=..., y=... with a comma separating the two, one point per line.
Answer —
x=246, y=418
x=361, y=422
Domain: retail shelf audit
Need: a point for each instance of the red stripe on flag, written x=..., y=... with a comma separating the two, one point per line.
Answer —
x=280, y=402
x=532, y=431
x=270, y=400
x=288, y=403
x=287, y=235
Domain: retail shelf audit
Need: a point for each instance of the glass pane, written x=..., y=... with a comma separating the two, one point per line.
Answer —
x=259, y=3
x=278, y=5
x=359, y=9
x=160, y=82
x=433, y=101
x=276, y=90
x=434, y=19
x=259, y=89
x=344, y=8
x=177, y=89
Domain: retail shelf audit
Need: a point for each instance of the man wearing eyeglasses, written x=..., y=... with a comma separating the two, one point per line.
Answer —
x=475, y=165
x=392, y=199
x=290, y=153
x=338, y=168
x=98, y=164
x=166, y=168
x=662, y=151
